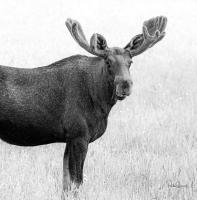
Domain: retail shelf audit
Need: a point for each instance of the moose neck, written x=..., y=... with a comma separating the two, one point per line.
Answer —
x=103, y=90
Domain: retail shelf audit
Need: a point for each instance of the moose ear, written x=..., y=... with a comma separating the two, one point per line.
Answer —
x=98, y=43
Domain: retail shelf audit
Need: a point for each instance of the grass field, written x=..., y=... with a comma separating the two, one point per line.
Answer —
x=149, y=151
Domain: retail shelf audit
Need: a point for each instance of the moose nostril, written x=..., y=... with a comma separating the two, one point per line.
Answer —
x=126, y=84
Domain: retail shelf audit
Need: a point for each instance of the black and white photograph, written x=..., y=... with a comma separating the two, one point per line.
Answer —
x=98, y=100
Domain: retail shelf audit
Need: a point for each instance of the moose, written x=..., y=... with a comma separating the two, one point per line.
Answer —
x=69, y=101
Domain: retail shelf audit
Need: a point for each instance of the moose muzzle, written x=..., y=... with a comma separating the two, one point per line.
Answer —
x=123, y=87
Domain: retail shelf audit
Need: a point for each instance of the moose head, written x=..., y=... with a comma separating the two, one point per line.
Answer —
x=118, y=60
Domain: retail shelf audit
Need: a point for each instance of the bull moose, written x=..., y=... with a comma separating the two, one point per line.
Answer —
x=69, y=101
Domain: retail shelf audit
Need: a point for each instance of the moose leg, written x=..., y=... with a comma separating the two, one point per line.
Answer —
x=74, y=158
x=66, y=173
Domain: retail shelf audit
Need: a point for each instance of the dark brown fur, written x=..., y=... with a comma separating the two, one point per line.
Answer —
x=51, y=104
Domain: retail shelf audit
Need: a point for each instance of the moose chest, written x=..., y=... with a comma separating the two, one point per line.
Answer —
x=89, y=127
x=96, y=122
x=97, y=128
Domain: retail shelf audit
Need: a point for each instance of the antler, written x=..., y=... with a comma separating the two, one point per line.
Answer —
x=153, y=32
x=77, y=33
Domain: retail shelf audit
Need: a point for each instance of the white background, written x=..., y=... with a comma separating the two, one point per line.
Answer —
x=33, y=33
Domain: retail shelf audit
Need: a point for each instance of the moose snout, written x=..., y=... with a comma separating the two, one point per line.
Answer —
x=123, y=87
x=126, y=84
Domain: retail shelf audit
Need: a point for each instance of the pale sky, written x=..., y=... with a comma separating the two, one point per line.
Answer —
x=33, y=32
